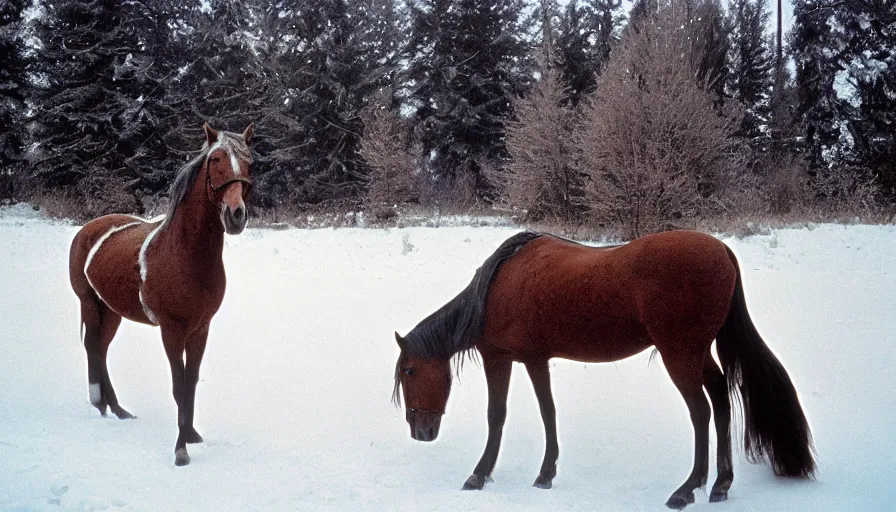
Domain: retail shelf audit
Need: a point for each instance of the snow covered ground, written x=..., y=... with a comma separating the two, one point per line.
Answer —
x=294, y=397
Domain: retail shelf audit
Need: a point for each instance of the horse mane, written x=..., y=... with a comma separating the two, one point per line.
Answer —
x=186, y=175
x=455, y=327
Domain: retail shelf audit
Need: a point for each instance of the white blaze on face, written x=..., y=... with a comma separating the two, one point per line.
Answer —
x=234, y=161
x=234, y=164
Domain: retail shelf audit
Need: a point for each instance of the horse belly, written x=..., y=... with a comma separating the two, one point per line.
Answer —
x=597, y=342
x=114, y=274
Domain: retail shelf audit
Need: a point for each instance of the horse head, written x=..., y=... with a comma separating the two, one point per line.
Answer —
x=425, y=384
x=227, y=176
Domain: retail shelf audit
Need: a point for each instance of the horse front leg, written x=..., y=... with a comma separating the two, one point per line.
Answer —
x=174, y=339
x=497, y=376
x=540, y=375
x=195, y=349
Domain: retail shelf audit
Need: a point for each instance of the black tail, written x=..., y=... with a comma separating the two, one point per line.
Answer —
x=774, y=423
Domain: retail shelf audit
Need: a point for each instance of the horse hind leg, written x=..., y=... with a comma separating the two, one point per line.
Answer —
x=91, y=326
x=714, y=382
x=686, y=371
x=111, y=322
x=100, y=324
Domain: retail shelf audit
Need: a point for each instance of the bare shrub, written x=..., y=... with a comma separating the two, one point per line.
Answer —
x=106, y=192
x=99, y=193
x=787, y=187
x=384, y=146
x=655, y=149
x=846, y=191
x=542, y=178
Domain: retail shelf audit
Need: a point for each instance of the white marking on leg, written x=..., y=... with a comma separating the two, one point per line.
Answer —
x=181, y=457
x=95, y=395
x=142, y=258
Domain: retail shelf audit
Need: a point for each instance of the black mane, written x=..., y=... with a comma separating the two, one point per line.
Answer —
x=455, y=327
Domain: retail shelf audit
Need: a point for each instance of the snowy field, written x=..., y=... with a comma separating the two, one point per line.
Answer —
x=294, y=397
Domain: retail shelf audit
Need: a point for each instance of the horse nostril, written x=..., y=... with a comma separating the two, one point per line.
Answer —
x=239, y=214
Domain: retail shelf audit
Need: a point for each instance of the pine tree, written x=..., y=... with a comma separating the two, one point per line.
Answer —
x=816, y=51
x=751, y=65
x=710, y=37
x=222, y=77
x=341, y=55
x=869, y=59
x=91, y=117
x=12, y=96
x=846, y=72
x=586, y=32
x=467, y=60
x=707, y=29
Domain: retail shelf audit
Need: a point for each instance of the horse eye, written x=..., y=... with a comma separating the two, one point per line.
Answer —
x=215, y=159
x=408, y=371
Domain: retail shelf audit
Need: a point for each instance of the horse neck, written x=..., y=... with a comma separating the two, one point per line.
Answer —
x=195, y=227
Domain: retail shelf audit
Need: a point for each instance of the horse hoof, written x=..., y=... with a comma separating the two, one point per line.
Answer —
x=474, y=483
x=717, y=496
x=181, y=457
x=193, y=437
x=123, y=414
x=543, y=482
x=679, y=501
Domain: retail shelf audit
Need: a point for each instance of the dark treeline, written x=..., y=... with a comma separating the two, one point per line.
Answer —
x=521, y=103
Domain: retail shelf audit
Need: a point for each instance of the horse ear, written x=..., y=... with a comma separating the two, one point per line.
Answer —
x=247, y=134
x=400, y=341
x=211, y=135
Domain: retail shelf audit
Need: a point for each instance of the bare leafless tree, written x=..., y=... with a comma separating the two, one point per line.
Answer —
x=542, y=178
x=384, y=146
x=653, y=145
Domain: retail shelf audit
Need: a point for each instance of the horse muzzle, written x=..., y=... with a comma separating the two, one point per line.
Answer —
x=424, y=424
x=234, y=220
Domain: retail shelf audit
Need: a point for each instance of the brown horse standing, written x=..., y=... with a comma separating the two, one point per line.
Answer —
x=539, y=297
x=166, y=273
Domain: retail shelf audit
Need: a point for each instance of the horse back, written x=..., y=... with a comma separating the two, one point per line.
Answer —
x=104, y=261
x=557, y=298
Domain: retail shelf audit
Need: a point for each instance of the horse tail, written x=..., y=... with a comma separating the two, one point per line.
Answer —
x=774, y=423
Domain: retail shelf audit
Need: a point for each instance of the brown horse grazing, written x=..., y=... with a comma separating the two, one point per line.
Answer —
x=167, y=273
x=539, y=297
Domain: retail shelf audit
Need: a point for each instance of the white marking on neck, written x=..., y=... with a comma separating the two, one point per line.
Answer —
x=95, y=395
x=155, y=219
x=99, y=243
x=148, y=312
x=141, y=259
